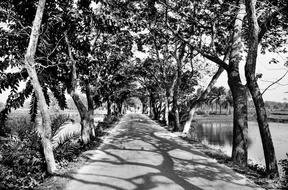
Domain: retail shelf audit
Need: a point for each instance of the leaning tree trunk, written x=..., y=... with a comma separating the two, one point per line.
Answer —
x=84, y=116
x=86, y=121
x=250, y=69
x=45, y=131
x=268, y=147
x=194, y=104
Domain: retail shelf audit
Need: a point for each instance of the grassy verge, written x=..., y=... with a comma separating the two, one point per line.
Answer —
x=59, y=181
x=254, y=172
x=22, y=163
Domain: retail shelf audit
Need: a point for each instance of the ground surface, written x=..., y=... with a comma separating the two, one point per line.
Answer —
x=139, y=154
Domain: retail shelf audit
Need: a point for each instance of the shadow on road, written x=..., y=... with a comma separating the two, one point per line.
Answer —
x=142, y=155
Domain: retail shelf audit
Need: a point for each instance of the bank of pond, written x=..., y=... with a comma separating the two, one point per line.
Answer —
x=218, y=134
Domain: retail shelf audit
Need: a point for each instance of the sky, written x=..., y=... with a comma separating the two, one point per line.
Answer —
x=270, y=73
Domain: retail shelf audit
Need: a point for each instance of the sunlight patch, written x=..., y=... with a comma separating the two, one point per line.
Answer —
x=184, y=155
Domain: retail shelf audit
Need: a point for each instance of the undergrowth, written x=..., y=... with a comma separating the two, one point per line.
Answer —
x=22, y=163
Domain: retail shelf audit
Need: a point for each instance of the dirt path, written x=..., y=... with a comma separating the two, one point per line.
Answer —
x=139, y=154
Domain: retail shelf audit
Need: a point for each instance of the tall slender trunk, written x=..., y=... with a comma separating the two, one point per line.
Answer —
x=89, y=98
x=240, y=115
x=151, y=114
x=175, y=110
x=45, y=128
x=90, y=114
x=167, y=108
x=250, y=68
x=268, y=147
x=109, y=104
x=176, y=85
x=119, y=108
x=220, y=108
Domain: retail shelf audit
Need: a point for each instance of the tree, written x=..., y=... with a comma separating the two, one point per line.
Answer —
x=201, y=98
x=218, y=45
x=45, y=128
x=258, y=27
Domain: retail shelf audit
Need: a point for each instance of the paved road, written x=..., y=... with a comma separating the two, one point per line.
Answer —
x=139, y=154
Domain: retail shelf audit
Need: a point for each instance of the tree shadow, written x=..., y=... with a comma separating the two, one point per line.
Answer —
x=145, y=156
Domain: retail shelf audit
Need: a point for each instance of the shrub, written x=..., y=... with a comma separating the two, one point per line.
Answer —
x=284, y=178
x=23, y=164
x=57, y=121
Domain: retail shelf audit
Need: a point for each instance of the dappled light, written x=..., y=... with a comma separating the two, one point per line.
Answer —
x=142, y=155
x=127, y=84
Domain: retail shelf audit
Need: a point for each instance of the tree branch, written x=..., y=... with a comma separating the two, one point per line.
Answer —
x=266, y=24
x=211, y=57
x=275, y=82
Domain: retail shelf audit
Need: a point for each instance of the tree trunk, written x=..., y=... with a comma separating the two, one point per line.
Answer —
x=201, y=99
x=145, y=106
x=220, y=108
x=90, y=114
x=268, y=147
x=167, y=109
x=109, y=108
x=86, y=121
x=175, y=111
x=176, y=85
x=250, y=67
x=89, y=98
x=240, y=117
x=45, y=128
x=119, y=108
x=85, y=116
x=151, y=114
x=188, y=125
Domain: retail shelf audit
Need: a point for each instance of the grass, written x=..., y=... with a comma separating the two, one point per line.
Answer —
x=22, y=164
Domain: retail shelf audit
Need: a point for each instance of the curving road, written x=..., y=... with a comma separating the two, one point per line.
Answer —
x=139, y=154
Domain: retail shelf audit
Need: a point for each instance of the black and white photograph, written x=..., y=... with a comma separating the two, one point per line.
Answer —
x=143, y=94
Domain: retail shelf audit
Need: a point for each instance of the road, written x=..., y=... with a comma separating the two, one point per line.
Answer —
x=139, y=154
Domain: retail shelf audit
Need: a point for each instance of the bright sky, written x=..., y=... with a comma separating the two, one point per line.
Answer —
x=271, y=72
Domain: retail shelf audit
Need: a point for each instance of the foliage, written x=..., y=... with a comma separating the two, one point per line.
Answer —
x=67, y=131
x=23, y=165
x=284, y=179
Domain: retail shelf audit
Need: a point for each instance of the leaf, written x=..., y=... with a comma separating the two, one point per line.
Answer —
x=67, y=131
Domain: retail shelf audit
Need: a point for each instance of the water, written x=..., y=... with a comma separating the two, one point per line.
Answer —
x=219, y=135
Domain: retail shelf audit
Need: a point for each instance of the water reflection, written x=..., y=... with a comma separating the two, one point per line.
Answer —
x=219, y=135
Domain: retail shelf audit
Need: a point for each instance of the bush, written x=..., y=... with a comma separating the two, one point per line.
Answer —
x=23, y=164
x=284, y=178
x=57, y=121
x=200, y=112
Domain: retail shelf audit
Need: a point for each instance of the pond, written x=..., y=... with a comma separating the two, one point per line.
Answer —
x=218, y=135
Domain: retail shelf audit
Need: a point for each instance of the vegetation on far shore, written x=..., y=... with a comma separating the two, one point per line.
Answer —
x=158, y=52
